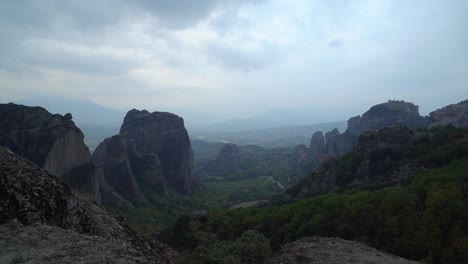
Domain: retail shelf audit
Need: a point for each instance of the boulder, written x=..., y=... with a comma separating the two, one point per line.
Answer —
x=42, y=221
x=331, y=250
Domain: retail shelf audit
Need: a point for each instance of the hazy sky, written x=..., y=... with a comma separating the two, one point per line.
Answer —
x=224, y=59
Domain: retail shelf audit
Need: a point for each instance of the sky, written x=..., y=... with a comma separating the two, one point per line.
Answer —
x=212, y=60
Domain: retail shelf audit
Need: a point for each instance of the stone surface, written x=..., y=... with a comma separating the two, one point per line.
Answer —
x=42, y=221
x=51, y=141
x=124, y=171
x=164, y=135
x=455, y=115
x=326, y=250
x=317, y=145
x=226, y=163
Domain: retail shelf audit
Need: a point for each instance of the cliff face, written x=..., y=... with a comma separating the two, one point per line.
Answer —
x=377, y=160
x=227, y=163
x=164, y=135
x=455, y=114
x=51, y=141
x=392, y=113
x=152, y=152
x=122, y=170
x=42, y=221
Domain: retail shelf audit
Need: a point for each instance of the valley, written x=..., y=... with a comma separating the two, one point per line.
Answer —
x=233, y=132
x=383, y=181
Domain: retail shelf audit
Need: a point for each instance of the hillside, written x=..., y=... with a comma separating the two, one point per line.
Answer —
x=422, y=218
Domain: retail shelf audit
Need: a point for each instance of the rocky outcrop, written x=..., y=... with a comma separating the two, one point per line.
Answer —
x=164, y=135
x=378, y=161
x=151, y=154
x=317, y=144
x=455, y=115
x=331, y=250
x=392, y=113
x=226, y=163
x=122, y=170
x=51, y=141
x=42, y=221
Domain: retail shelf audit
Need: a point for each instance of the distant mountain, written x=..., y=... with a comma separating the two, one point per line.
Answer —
x=84, y=111
x=275, y=117
x=282, y=136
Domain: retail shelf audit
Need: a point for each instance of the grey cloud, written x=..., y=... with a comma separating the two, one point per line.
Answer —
x=336, y=43
x=246, y=59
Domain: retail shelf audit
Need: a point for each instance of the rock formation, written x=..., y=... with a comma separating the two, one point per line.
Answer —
x=164, y=135
x=455, y=115
x=392, y=113
x=122, y=169
x=377, y=160
x=51, y=141
x=226, y=163
x=331, y=250
x=317, y=144
x=152, y=152
x=42, y=221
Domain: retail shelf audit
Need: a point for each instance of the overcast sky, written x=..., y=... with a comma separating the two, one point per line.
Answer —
x=222, y=59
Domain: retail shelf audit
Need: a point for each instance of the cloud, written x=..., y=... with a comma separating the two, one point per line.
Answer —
x=236, y=57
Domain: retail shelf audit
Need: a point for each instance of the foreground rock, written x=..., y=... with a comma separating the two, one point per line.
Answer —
x=322, y=250
x=51, y=141
x=41, y=221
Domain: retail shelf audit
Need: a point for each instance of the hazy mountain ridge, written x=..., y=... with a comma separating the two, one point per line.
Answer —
x=283, y=136
x=85, y=111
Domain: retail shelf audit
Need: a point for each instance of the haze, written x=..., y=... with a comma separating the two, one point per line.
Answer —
x=210, y=61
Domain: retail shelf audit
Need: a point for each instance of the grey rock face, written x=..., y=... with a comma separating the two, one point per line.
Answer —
x=227, y=162
x=327, y=250
x=391, y=144
x=122, y=169
x=164, y=135
x=392, y=113
x=42, y=221
x=51, y=141
x=317, y=145
x=455, y=115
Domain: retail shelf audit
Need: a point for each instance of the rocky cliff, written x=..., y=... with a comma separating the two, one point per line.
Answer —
x=42, y=221
x=391, y=113
x=226, y=163
x=379, y=160
x=164, y=135
x=51, y=141
x=122, y=170
x=152, y=153
x=455, y=114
